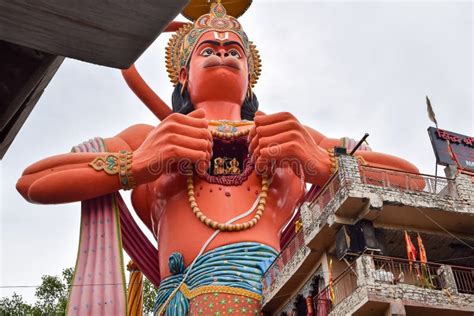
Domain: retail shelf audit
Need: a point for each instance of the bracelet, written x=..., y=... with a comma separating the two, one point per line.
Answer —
x=126, y=179
x=120, y=164
x=333, y=160
x=361, y=160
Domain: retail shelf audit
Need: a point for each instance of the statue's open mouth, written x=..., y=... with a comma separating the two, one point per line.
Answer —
x=230, y=163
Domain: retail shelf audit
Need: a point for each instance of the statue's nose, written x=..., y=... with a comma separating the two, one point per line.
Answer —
x=222, y=53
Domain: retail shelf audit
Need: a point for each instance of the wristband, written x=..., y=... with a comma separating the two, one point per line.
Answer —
x=120, y=164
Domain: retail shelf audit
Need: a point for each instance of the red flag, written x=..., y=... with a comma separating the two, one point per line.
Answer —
x=421, y=247
x=453, y=156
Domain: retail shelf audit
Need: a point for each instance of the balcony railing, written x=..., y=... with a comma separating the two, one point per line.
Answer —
x=406, y=181
x=327, y=192
x=343, y=286
x=464, y=278
x=395, y=271
x=326, y=195
x=401, y=271
x=275, y=269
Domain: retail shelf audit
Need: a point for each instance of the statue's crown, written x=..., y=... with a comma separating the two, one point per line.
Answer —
x=182, y=43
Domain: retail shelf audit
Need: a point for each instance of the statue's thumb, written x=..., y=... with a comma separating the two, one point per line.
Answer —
x=201, y=113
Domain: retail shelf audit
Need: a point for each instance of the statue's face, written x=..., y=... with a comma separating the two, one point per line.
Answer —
x=218, y=69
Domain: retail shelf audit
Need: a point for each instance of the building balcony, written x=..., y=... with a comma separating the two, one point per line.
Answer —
x=392, y=201
x=287, y=271
x=388, y=198
x=376, y=285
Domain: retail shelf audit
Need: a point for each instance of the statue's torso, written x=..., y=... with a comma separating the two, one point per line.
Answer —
x=178, y=229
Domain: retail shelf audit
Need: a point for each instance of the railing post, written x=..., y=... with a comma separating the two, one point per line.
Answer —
x=349, y=169
x=306, y=216
x=365, y=269
x=446, y=275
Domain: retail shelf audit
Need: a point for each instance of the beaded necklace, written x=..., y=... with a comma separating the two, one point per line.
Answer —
x=228, y=129
x=224, y=133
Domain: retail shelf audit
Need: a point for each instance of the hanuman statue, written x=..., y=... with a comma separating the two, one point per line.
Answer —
x=216, y=231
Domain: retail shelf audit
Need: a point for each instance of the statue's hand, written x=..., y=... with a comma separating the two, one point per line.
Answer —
x=174, y=26
x=280, y=140
x=176, y=143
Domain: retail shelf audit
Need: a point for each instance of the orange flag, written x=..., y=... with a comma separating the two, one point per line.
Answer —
x=421, y=247
x=411, y=251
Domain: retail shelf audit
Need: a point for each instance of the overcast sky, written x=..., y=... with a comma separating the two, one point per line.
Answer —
x=343, y=68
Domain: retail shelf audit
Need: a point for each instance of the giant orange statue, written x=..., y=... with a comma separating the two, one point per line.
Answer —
x=216, y=181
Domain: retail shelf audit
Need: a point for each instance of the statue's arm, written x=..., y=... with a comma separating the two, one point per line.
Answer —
x=68, y=177
x=373, y=159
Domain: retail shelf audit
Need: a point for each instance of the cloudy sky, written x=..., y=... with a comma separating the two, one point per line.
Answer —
x=341, y=67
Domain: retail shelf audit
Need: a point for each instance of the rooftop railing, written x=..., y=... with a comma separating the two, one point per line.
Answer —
x=406, y=181
x=323, y=197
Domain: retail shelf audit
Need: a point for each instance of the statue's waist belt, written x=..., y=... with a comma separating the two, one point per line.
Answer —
x=232, y=269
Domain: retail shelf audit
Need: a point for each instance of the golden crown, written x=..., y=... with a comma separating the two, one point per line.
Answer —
x=181, y=44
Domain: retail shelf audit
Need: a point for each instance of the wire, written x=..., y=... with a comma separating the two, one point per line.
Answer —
x=444, y=229
x=75, y=285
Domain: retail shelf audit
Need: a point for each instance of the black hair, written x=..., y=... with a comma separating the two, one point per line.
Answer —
x=182, y=103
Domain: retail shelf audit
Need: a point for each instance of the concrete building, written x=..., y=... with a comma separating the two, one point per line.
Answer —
x=358, y=221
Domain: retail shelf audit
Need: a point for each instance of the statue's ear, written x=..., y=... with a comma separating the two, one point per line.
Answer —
x=183, y=75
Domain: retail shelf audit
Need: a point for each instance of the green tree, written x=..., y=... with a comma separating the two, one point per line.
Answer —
x=52, y=296
x=53, y=293
x=14, y=306
x=149, y=295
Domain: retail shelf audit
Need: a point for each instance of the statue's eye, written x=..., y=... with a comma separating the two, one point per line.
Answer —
x=234, y=53
x=207, y=52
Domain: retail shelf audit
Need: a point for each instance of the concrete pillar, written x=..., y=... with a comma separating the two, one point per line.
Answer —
x=365, y=269
x=306, y=217
x=445, y=273
x=348, y=169
x=462, y=182
x=464, y=187
x=396, y=308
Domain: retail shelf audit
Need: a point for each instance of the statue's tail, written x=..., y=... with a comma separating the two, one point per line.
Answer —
x=145, y=93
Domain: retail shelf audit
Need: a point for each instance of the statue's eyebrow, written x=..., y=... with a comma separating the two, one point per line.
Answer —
x=216, y=43
x=234, y=43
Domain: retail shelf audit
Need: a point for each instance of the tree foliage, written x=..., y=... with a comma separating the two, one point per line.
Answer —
x=150, y=292
x=52, y=295
x=14, y=306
